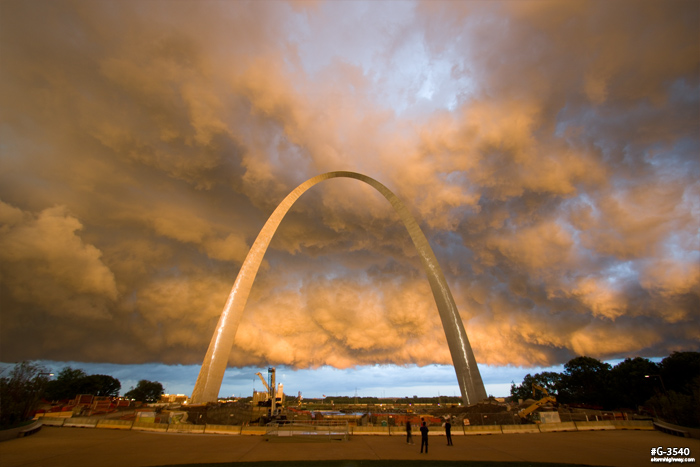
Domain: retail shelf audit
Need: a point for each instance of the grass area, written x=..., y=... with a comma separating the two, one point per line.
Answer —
x=380, y=463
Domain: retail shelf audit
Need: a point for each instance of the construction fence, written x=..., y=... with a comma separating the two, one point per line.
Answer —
x=341, y=430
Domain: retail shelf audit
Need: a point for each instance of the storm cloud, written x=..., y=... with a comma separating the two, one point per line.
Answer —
x=549, y=150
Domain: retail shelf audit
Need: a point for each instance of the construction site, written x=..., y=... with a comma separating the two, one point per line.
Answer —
x=272, y=407
x=272, y=414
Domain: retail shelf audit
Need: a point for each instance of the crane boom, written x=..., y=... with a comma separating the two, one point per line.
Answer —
x=264, y=383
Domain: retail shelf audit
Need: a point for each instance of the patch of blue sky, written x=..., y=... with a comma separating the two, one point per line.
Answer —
x=621, y=272
x=375, y=380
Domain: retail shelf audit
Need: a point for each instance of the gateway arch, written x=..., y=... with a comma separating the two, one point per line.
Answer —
x=211, y=374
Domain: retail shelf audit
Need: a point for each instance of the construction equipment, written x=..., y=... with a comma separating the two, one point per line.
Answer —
x=274, y=392
x=546, y=399
x=264, y=382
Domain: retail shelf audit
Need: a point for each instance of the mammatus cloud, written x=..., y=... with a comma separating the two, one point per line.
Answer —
x=548, y=149
x=45, y=263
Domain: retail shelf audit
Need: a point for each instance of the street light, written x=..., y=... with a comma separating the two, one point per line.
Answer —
x=660, y=378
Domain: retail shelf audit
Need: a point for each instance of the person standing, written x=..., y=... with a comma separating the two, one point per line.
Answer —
x=409, y=438
x=448, y=432
x=424, y=438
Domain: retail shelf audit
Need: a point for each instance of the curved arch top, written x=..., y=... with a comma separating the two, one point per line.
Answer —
x=214, y=365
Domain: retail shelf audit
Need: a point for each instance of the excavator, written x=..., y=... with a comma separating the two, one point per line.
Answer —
x=547, y=398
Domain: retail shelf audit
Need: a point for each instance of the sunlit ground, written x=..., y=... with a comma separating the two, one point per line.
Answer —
x=379, y=463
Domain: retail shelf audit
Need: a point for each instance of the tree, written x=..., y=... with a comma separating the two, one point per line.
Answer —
x=584, y=381
x=679, y=371
x=677, y=397
x=68, y=384
x=146, y=391
x=21, y=392
x=629, y=385
x=672, y=389
x=102, y=385
x=678, y=407
x=549, y=380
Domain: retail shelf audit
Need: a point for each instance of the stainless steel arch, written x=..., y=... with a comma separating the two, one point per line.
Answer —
x=212, y=372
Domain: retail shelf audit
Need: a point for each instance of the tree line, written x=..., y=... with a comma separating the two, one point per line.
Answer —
x=669, y=389
x=27, y=384
x=69, y=383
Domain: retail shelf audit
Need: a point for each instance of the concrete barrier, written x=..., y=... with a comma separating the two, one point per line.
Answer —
x=148, y=426
x=633, y=424
x=30, y=430
x=20, y=431
x=561, y=426
x=115, y=424
x=66, y=414
x=254, y=430
x=223, y=429
x=591, y=426
x=80, y=422
x=525, y=428
x=671, y=429
x=185, y=428
x=85, y=422
x=52, y=421
x=377, y=430
x=483, y=430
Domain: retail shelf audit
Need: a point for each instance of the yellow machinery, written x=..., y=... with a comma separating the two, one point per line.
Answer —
x=547, y=398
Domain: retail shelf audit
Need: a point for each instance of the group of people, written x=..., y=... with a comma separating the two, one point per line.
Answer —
x=424, y=434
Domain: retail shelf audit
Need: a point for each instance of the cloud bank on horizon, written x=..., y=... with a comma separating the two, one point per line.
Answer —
x=549, y=150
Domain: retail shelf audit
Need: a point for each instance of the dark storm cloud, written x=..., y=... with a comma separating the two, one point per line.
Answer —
x=549, y=150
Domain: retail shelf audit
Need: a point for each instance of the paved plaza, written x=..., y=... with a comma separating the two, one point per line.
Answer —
x=83, y=447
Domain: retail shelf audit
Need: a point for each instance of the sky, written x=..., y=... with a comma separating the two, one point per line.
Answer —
x=549, y=151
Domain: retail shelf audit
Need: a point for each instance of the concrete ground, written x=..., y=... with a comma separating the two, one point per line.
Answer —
x=84, y=447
